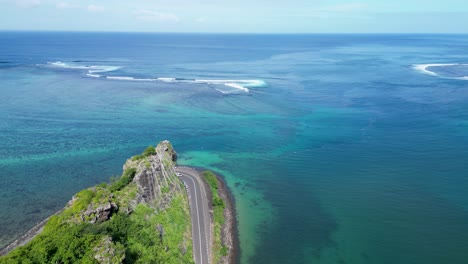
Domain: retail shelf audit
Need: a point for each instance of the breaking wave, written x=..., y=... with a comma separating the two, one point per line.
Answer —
x=95, y=71
x=456, y=71
x=90, y=68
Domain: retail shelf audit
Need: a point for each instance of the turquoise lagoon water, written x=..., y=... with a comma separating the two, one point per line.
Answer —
x=337, y=148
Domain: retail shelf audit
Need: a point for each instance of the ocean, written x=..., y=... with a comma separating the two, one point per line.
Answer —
x=337, y=148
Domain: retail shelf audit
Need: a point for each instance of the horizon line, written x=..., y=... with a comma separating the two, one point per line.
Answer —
x=232, y=33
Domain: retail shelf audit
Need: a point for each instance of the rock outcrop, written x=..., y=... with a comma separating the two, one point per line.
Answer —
x=156, y=177
x=100, y=214
x=108, y=252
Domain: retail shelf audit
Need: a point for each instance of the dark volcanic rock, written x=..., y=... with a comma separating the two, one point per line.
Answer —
x=155, y=175
x=99, y=214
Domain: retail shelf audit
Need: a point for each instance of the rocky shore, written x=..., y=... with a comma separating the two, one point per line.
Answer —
x=229, y=233
x=26, y=237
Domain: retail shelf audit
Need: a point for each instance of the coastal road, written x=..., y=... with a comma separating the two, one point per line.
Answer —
x=201, y=223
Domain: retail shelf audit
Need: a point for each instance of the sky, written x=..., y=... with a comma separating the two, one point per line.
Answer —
x=238, y=16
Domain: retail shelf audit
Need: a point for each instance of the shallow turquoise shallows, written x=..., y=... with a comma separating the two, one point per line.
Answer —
x=337, y=148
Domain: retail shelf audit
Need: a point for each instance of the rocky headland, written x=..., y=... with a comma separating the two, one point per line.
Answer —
x=143, y=217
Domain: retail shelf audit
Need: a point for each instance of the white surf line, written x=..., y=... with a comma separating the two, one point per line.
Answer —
x=238, y=84
x=198, y=220
x=423, y=67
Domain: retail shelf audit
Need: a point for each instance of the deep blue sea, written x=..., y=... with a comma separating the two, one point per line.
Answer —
x=337, y=148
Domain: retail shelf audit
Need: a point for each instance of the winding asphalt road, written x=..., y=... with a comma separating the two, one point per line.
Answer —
x=199, y=213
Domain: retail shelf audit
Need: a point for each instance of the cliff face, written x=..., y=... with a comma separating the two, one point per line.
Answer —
x=156, y=177
x=141, y=217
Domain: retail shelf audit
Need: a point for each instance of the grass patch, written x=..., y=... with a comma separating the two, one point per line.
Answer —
x=165, y=189
x=159, y=238
x=219, y=205
x=149, y=151
x=137, y=157
x=126, y=178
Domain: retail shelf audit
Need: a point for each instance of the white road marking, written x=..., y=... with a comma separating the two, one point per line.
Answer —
x=198, y=219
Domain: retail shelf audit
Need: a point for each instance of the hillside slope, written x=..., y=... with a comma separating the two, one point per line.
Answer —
x=141, y=217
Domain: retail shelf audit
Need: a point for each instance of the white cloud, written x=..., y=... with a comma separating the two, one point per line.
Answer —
x=95, y=8
x=66, y=5
x=154, y=16
x=28, y=3
x=351, y=7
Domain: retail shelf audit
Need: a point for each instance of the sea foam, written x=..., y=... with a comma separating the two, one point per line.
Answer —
x=95, y=71
x=90, y=68
x=240, y=85
x=162, y=79
x=128, y=78
x=425, y=69
x=243, y=85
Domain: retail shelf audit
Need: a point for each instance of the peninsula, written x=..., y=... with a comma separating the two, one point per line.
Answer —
x=154, y=213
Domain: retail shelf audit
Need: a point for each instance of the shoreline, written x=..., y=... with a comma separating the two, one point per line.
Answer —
x=27, y=236
x=231, y=226
x=229, y=230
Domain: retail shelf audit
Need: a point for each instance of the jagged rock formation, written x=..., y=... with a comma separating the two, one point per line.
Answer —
x=156, y=177
x=101, y=213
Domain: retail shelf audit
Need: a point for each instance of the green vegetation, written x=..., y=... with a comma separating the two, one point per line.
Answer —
x=126, y=178
x=149, y=151
x=136, y=237
x=129, y=234
x=218, y=203
x=165, y=189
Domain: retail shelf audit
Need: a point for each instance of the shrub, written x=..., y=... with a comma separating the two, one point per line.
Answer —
x=137, y=157
x=218, y=201
x=224, y=251
x=210, y=177
x=149, y=151
x=126, y=178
